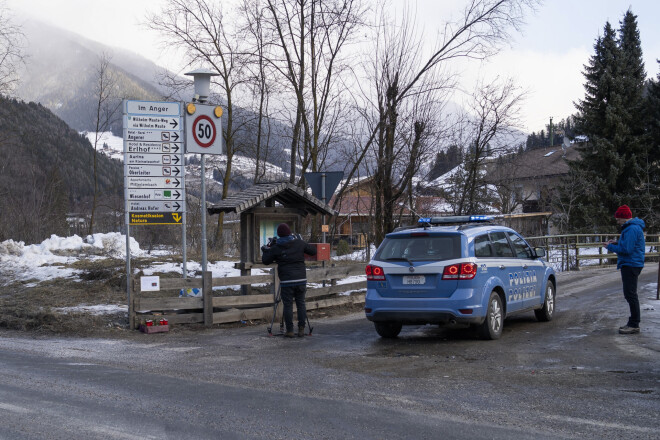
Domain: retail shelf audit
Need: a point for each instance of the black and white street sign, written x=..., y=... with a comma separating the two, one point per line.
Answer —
x=154, y=171
x=155, y=206
x=153, y=182
x=203, y=129
x=154, y=194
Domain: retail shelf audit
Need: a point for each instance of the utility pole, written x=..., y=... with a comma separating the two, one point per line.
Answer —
x=552, y=133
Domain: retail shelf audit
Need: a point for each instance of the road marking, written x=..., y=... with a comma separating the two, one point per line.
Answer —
x=14, y=408
x=602, y=424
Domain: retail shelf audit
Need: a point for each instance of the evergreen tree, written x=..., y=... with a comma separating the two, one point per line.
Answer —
x=610, y=115
x=651, y=189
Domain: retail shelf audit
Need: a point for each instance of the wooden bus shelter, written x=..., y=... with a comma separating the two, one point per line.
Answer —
x=261, y=208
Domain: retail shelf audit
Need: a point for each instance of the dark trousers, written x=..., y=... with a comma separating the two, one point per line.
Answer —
x=297, y=294
x=629, y=277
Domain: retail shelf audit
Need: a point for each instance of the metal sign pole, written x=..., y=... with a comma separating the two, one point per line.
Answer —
x=128, y=277
x=203, y=213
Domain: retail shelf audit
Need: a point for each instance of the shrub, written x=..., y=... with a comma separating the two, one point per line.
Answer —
x=343, y=248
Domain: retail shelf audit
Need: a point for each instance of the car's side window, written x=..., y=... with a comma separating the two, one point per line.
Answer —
x=482, y=246
x=501, y=245
x=522, y=249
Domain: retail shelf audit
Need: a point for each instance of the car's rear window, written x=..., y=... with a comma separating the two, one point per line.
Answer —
x=420, y=248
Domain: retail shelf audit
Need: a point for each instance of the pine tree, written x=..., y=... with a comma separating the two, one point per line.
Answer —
x=651, y=189
x=611, y=116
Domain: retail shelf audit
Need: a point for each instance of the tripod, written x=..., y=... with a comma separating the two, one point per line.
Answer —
x=276, y=303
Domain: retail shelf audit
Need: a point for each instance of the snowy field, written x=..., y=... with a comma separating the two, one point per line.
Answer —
x=52, y=259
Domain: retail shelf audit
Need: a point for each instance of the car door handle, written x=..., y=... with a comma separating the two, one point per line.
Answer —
x=502, y=267
x=525, y=266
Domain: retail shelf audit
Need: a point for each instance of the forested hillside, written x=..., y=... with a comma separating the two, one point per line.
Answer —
x=46, y=171
x=62, y=71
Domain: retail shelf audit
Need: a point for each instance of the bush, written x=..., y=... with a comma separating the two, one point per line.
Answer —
x=343, y=248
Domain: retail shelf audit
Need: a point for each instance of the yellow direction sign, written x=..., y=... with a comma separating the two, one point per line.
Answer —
x=155, y=218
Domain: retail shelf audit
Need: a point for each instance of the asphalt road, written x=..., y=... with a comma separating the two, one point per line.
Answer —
x=574, y=377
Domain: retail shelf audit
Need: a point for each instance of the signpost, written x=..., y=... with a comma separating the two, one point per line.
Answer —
x=154, y=174
x=154, y=171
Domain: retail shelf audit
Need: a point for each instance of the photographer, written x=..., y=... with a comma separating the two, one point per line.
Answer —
x=288, y=252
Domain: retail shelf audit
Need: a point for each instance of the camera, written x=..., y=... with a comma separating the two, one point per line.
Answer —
x=271, y=242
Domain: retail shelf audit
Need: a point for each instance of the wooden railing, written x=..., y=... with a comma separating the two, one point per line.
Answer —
x=209, y=309
x=568, y=251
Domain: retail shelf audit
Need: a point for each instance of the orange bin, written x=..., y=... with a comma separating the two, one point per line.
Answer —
x=322, y=252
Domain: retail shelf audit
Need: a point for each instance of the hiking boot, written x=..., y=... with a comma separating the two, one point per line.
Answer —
x=301, y=331
x=289, y=334
x=627, y=330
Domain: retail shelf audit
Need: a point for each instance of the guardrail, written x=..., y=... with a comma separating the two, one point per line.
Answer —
x=210, y=309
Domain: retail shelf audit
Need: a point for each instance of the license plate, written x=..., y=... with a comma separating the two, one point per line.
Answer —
x=414, y=279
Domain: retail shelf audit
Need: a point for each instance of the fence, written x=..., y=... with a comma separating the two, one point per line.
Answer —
x=570, y=252
x=210, y=309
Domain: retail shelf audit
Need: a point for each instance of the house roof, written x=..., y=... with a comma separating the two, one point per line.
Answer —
x=533, y=164
x=284, y=193
x=361, y=205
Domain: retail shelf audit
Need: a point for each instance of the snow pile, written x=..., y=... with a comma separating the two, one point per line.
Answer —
x=48, y=259
x=114, y=244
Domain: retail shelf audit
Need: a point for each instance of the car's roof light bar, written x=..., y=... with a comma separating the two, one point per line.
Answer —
x=455, y=219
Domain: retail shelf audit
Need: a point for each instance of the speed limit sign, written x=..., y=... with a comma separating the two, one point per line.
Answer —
x=203, y=129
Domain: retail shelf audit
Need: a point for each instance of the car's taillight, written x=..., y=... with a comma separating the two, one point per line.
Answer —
x=460, y=271
x=374, y=273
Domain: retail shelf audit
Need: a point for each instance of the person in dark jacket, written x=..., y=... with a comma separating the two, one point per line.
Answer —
x=288, y=252
x=629, y=250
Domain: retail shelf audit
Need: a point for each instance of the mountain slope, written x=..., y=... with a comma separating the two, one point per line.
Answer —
x=61, y=74
x=46, y=171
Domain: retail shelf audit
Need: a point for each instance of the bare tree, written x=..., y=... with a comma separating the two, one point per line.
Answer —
x=107, y=106
x=11, y=54
x=200, y=28
x=483, y=27
x=310, y=37
x=484, y=133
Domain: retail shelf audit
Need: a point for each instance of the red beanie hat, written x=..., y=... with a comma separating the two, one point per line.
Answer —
x=623, y=212
x=283, y=230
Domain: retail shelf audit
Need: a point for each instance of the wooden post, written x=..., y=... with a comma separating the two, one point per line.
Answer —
x=276, y=283
x=131, y=312
x=657, y=293
x=577, y=253
x=207, y=293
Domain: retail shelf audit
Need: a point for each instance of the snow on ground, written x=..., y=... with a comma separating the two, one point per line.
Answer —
x=49, y=259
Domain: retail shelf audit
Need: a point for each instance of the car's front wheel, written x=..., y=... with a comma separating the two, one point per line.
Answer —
x=546, y=312
x=388, y=329
x=492, y=325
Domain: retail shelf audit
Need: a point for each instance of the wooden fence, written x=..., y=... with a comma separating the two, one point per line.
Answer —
x=210, y=309
x=570, y=252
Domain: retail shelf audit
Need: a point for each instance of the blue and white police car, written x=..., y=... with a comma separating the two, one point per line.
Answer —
x=457, y=270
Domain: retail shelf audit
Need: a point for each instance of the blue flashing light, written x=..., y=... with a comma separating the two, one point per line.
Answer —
x=481, y=218
x=424, y=220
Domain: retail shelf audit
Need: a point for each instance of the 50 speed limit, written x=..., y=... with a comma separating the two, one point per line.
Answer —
x=204, y=131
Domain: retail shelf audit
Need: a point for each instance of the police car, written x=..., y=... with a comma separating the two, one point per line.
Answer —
x=457, y=270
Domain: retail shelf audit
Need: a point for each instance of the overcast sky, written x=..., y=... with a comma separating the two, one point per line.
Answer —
x=546, y=60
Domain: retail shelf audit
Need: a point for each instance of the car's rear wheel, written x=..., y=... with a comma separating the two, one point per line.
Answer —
x=546, y=312
x=388, y=329
x=492, y=325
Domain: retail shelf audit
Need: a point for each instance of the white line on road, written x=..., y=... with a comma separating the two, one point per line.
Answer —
x=603, y=424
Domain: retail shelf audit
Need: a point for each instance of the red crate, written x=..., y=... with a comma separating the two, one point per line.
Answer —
x=322, y=252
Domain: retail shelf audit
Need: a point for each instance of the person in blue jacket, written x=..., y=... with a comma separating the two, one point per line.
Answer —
x=629, y=250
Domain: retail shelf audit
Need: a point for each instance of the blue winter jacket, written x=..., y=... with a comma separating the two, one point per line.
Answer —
x=630, y=247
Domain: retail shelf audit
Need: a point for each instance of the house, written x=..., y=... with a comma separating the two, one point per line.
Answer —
x=354, y=222
x=530, y=177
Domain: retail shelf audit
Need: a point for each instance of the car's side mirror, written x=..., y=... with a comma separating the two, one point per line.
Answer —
x=540, y=252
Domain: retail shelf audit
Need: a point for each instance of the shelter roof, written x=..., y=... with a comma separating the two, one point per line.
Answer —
x=284, y=193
